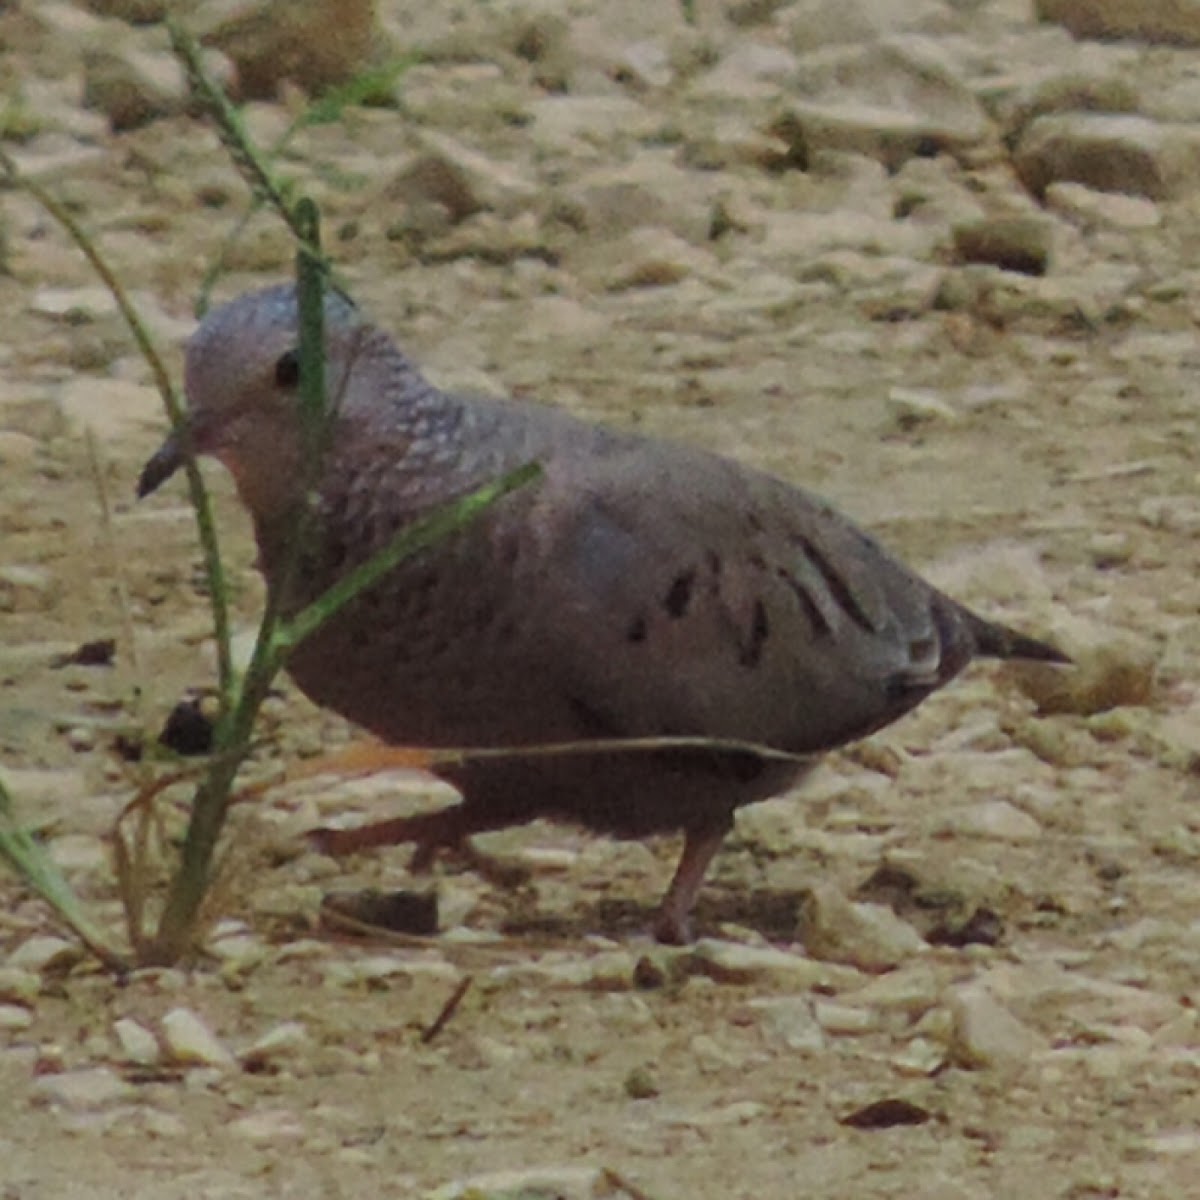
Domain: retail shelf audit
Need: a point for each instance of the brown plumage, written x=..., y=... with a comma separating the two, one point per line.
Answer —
x=639, y=589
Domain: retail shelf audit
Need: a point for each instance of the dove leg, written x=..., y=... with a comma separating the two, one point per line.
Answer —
x=448, y=827
x=673, y=923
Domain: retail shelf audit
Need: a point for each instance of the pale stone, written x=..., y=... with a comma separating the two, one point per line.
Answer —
x=914, y=407
x=25, y=588
x=1086, y=206
x=19, y=986
x=994, y=819
x=1111, y=152
x=844, y=1019
x=137, y=1043
x=15, y=1017
x=44, y=952
x=562, y=1182
x=790, y=1020
x=920, y=1057
x=986, y=1034
x=1175, y=22
x=188, y=1040
x=269, y=1126
x=867, y=936
x=280, y=1042
x=731, y=962
x=133, y=86
x=81, y=1091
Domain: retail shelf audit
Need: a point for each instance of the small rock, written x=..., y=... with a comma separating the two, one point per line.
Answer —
x=189, y=1041
x=82, y=1091
x=640, y=1084
x=26, y=589
x=132, y=86
x=888, y=100
x=280, y=1042
x=889, y=1113
x=731, y=962
x=74, y=305
x=1174, y=22
x=750, y=70
x=561, y=1182
x=790, y=1020
x=911, y=990
x=644, y=64
x=17, y=449
x=562, y=123
x=985, y=1034
x=269, y=1127
x=608, y=971
x=649, y=257
x=868, y=936
x=43, y=952
x=164, y=1124
x=1108, y=550
x=311, y=43
x=994, y=819
x=461, y=180
x=844, y=1019
x=1086, y=206
x=740, y=1112
x=136, y=12
x=811, y=24
x=914, y=407
x=1104, y=675
x=138, y=1045
x=19, y=986
x=920, y=1057
x=1011, y=243
x=14, y=1017
x=1111, y=152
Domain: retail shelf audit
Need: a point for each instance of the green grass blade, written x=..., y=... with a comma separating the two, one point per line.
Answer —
x=367, y=87
x=28, y=858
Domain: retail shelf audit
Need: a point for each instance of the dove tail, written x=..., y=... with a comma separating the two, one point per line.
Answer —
x=993, y=640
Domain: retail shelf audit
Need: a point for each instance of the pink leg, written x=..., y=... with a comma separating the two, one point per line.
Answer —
x=430, y=831
x=673, y=924
x=447, y=829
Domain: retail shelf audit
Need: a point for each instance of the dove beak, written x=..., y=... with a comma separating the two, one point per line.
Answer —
x=161, y=465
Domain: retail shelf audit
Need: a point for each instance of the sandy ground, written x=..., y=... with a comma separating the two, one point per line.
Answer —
x=1046, y=472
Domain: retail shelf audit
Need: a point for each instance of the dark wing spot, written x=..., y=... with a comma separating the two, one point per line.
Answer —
x=287, y=370
x=593, y=722
x=812, y=610
x=679, y=595
x=636, y=633
x=714, y=562
x=841, y=591
x=922, y=649
x=750, y=652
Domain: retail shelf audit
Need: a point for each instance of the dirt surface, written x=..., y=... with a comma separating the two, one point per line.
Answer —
x=1029, y=440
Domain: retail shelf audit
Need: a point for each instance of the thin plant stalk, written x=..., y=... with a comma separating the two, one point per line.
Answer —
x=210, y=805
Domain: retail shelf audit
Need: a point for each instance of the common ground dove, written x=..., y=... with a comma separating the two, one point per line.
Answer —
x=639, y=589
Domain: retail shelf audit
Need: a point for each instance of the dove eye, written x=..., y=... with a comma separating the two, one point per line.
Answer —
x=287, y=369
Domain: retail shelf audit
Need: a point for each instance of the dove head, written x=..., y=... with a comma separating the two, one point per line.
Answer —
x=242, y=381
